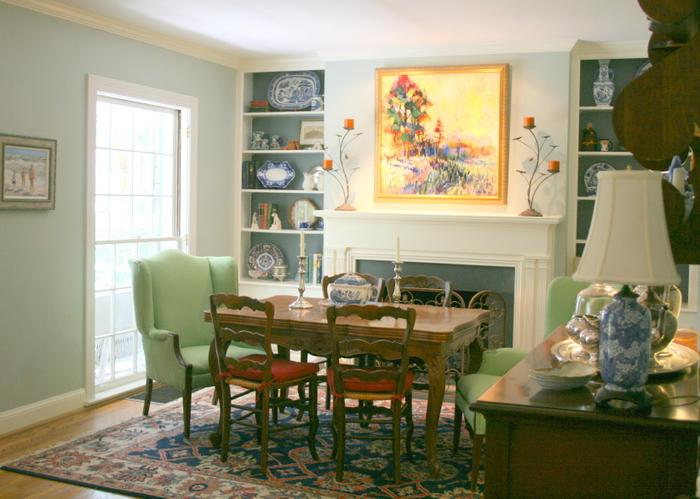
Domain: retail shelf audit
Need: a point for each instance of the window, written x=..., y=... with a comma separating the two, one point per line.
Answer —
x=139, y=177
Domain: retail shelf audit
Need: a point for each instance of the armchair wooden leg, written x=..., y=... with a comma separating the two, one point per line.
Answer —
x=187, y=403
x=147, y=398
x=456, y=429
x=478, y=443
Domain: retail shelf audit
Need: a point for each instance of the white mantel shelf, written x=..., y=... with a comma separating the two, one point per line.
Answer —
x=525, y=244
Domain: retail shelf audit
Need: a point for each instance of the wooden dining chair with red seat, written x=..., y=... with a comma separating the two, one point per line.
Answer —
x=384, y=383
x=262, y=374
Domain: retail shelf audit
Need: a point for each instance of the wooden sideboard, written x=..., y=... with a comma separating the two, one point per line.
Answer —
x=558, y=444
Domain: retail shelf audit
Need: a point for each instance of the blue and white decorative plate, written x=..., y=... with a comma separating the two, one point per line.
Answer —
x=275, y=174
x=590, y=178
x=263, y=257
x=294, y=90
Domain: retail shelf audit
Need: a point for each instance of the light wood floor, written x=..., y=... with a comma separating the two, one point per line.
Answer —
x=65, y=428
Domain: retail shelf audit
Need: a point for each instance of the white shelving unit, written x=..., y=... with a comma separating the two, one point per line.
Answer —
x=253, y=85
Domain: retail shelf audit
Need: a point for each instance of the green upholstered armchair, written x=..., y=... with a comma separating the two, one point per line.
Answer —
x=559, y=307
x=171, y=291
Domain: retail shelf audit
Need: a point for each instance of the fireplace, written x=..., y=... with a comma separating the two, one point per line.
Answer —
x=522, y=245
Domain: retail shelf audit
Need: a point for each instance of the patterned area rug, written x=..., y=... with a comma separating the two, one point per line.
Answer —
x=148, y=457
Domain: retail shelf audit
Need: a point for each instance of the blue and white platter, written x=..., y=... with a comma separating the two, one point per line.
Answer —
x=275, y=174
x=293, y=90
x=590, y=178
x=263, y=257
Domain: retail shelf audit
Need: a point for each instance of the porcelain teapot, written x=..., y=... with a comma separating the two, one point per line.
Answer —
x=350, y=289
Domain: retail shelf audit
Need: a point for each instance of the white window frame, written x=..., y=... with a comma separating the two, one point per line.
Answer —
x=187, y=105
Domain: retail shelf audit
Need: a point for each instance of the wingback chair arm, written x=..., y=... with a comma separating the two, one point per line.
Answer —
x=159, y=334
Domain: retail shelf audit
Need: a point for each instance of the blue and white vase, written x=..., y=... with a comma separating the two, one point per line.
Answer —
x=603, y=85
x=624, y=350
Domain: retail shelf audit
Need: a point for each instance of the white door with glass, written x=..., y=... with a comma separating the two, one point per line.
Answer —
x=139, y=209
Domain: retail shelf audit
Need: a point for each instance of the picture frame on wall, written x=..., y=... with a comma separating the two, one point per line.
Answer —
x=442, y=134
x=311, y=133
x=28, y=167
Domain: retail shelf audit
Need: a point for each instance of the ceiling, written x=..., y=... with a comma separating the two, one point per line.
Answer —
x=260, y=29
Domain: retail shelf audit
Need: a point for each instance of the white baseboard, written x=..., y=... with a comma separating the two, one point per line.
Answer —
x=43, y=410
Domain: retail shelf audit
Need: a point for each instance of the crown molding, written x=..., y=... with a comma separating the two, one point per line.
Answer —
x=78, y=16
x=453, y=50
x=588, y=50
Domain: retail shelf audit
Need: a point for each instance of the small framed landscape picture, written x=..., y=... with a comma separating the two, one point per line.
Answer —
x=28, y=173
x=311, y=133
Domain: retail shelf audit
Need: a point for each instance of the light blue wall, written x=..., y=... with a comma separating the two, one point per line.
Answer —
x=44, y=63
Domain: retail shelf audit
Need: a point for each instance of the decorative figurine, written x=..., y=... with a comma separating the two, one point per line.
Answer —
x=257, y=140
x=254, y=224
x=589, y=139
x=276, y=222
x=275, y=142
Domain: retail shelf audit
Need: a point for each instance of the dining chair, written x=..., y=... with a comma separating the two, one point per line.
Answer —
x=426, y=290
x=171, y=291
x=265, y=375
x=388, y=383
x=496, y=360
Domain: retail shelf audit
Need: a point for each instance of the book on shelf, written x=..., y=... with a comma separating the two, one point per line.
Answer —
x=265, y=211
x=316, y=274
x=250, y=179
x=257, y=106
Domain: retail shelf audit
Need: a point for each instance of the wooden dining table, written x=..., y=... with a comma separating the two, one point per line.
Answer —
x=438, y=332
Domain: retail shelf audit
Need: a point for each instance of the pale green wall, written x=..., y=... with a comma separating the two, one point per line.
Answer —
x=44, y=63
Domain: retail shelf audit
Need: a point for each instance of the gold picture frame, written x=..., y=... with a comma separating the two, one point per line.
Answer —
x=442, y=134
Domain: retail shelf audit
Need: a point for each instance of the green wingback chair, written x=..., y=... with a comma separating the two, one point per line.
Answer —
x=171, y=291
x=559, y=307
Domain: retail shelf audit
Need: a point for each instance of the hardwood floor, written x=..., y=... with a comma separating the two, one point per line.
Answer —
x=84, y=421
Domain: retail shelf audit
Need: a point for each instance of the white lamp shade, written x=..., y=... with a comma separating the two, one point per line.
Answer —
x=628, y=239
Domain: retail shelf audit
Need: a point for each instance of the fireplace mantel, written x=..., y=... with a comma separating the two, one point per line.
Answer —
x=525, y=244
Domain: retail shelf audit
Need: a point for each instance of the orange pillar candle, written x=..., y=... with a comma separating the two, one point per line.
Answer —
x=349, y=124
x=327, y=164
x=529, y=122
x=554, y=166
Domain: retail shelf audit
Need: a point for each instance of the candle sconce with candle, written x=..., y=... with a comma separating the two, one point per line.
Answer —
x=536, y=178
x=340, y=173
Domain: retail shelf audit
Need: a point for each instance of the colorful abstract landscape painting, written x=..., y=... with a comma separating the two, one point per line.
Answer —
x=442, y=134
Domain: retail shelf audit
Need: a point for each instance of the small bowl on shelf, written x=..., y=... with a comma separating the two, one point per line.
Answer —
x=565, y=376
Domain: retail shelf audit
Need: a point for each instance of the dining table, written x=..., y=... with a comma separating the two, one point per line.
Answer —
x=438, y=332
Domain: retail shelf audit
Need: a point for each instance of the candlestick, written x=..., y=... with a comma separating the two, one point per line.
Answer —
x=301, y=302
x=349, y=124
x=396, y=297
x=398, y=248
x=529, y=122
x=327, y=164
x=553, y=166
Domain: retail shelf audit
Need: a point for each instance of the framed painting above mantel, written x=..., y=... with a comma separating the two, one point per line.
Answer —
x=442, y=134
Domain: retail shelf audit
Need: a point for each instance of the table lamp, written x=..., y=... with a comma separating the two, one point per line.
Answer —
x=628, y=244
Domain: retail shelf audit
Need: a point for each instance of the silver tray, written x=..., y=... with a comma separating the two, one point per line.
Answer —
x=671, y=359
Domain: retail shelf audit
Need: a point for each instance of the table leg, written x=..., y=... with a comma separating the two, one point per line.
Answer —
x=436, y=395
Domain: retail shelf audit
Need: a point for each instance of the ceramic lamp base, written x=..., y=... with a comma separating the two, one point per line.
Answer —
x=625, y=347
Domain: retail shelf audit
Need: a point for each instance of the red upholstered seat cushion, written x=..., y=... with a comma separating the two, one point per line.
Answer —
x=282, y=370
x=356, y=385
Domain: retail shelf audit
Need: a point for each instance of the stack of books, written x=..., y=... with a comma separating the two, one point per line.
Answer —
x=257, y=106
x=250, y=179
x=265, y=211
